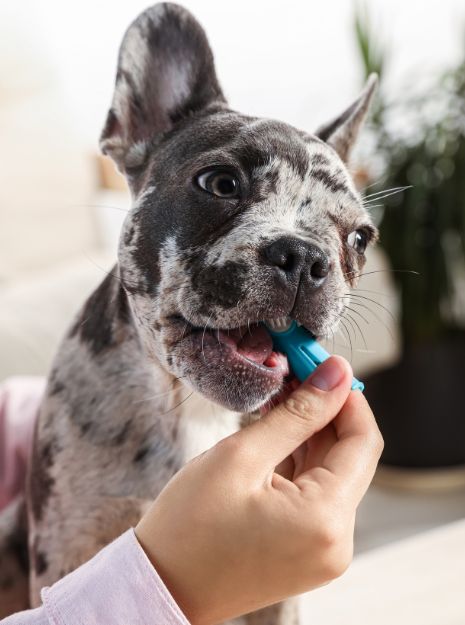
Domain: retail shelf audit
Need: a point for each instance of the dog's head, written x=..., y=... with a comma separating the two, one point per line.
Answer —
x=235, y=219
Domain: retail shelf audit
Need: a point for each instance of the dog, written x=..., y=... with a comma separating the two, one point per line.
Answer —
x=234, y=220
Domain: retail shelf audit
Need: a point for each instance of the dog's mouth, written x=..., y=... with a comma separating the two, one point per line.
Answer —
x=237, y=367
x=253, y=345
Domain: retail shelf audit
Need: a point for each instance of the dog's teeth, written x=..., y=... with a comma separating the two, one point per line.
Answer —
x=281, y=324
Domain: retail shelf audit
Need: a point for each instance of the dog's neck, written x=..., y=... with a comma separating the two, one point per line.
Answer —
x=202, y=424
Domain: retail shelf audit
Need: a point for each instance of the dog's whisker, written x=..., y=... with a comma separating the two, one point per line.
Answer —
x=186, y=325
x=345, y=344
x=350, y=340
x=385, y=193
x=357, y=290
x=376, y=182
x=357, y=350
x=351, y=326
x=373, y=301
x=377, y=317
x=117, y=208
x=124, y=281
x=156, y=396
x=352, y=275
x=358, y=313
x=359, y=329
x=370, y=206
x=163, y=394
x=177, y=405
x=203, y=336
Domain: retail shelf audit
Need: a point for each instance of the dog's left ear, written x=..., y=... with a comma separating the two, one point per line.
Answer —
x=341, y=134
x=165, y=73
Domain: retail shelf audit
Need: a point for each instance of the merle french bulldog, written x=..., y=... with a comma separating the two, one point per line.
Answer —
x=234, y=220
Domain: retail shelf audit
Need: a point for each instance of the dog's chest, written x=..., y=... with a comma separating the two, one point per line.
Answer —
x=202, y=424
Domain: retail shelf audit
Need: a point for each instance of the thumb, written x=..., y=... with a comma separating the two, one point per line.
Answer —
x=304, y=412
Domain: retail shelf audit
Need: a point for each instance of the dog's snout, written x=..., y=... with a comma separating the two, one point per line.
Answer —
x=291, y=256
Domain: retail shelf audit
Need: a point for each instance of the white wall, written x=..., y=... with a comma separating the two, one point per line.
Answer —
x=293, y=60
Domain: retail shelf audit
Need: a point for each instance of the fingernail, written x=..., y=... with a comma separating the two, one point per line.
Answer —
x=328, y=375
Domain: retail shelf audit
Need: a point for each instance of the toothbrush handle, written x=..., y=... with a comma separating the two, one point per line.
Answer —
x=304, y=353
x=303, y=364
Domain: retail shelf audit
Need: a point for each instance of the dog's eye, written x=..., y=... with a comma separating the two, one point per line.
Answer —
x=219, y=183
x=358, y=239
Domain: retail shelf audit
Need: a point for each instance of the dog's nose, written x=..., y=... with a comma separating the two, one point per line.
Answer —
x=292, y=256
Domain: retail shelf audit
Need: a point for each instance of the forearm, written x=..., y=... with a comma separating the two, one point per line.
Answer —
x=116, y=587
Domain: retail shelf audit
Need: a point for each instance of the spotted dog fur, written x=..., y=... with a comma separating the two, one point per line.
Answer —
x=142, y=382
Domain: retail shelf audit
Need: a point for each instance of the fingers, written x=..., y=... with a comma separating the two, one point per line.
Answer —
x=306, y=411
x=353, y=458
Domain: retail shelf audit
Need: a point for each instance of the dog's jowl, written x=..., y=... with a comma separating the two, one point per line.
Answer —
x=234, y=220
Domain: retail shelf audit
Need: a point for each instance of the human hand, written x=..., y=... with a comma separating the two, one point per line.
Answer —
x=267, y=512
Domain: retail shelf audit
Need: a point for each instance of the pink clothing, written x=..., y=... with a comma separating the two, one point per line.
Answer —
x=118, y=586
x=19, y=404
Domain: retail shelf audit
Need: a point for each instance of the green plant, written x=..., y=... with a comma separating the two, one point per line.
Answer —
x=423, y=228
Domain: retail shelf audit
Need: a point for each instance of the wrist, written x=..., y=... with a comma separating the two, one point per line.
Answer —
x=204, y=591
x=173, y=570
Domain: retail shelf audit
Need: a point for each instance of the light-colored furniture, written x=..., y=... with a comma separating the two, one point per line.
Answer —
x=417, y=581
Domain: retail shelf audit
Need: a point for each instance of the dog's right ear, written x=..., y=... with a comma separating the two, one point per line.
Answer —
x=165, y=73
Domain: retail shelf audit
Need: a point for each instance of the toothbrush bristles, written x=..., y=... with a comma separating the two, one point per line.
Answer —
x=280, y=324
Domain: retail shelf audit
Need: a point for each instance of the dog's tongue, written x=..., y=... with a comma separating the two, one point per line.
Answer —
x=255, y=344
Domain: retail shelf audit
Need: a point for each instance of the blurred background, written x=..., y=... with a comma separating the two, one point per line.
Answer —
x=61, y=208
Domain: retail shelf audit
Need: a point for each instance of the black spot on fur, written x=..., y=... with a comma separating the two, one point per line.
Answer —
x=169, y=462
x=271, y=179
x=121, y=437
x=122, y=306
x=272, y=139
x=85, y=427
x=55, y=384
x=320, y=159
x=146, y=260
x=97, y=323
x=306, y=204
x=141, y=455
x=56, y=388
x=330, y=181
x=113, y=437
x=41, y=482
x=40, y=563
x=223, y=286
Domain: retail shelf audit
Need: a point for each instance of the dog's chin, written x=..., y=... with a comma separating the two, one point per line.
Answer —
x=235, y=368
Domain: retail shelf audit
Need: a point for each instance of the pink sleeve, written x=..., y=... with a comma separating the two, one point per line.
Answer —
x=118, y=586
x=20, y=399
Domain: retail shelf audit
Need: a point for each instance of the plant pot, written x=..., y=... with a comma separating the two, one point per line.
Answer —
x=420, y=405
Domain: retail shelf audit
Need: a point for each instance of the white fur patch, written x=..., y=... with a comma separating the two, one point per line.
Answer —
x=203, y=424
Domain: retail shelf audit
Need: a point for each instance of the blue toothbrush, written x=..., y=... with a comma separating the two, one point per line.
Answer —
x=303, y=352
